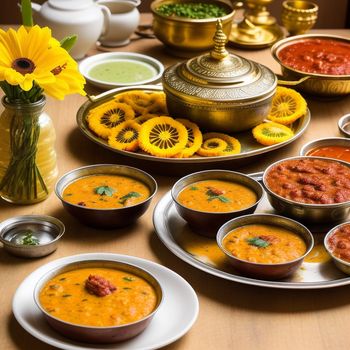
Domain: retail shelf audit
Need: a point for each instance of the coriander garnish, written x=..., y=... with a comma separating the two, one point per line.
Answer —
x=129, y=195
x=214, y=195
x=105, y=191
x=258, y=242
x=29, y=239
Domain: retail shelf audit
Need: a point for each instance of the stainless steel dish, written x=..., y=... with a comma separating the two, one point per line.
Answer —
x=250, y=148
x=259, y=270
x=207, y=223
x=342, y=265
x=344, y=125
x=106, y=218
x=315, y=213
x=313, y=83
x=40, y=232
x=329, y=141
x=92, y=334
x=172, y=230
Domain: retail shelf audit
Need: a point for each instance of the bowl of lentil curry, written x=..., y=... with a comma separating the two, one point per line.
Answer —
x=207, y=199
x=188, y=26
x=265, y=246
x=106, y=195
x=98, y=301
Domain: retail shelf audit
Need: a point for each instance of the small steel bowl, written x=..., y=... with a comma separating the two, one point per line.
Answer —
x=207, y=223
x=344, y=125
x=329, y=141
x=312, y=213
x=106, y=218
x=259, y=270
x=92, y=334
x=314, y=83
x=339, y=263
x=46, y=229
x=185, y=35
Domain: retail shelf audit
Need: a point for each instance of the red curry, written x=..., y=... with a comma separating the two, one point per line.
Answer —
x=336, y=152
x=320, y=56
x=339, y=242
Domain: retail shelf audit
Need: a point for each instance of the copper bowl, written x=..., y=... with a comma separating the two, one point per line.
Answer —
x=106, y=218
x=207, y=223
x=312, y=83
x=182, y=34
x=305, y=212
x=259, y=270
x=92, y=334
x=341, y=264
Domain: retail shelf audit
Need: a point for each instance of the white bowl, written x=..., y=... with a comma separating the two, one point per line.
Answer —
x=87, y=64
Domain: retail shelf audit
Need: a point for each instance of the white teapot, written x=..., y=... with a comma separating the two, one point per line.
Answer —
x=85, y=18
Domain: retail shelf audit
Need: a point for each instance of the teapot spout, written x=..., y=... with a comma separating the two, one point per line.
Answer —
x=35, y=7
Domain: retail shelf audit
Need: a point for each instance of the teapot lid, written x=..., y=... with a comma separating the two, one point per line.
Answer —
x=220, y=75
x=70, y=5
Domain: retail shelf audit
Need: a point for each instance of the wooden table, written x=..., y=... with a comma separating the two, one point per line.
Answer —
x=232, y=315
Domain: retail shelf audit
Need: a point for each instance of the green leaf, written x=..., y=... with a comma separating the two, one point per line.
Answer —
x=68, y=42
x=128, y=279
x=26, y=9
x=129, y=195
x=193, y=188
x=221, y=198
x=29, y=239
x=105, y=191
x=258, y=242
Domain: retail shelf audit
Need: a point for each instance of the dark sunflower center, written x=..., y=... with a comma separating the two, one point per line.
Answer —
x=23, y=65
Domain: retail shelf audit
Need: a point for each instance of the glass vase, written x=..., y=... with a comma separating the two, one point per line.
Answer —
x=28, y=165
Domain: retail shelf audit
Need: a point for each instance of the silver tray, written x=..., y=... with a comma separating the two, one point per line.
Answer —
x=169, y=226
x=250, y=147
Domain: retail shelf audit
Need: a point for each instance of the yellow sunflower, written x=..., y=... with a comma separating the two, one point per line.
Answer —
x=31, y=56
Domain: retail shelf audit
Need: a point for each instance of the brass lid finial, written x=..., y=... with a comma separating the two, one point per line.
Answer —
x=220, y=40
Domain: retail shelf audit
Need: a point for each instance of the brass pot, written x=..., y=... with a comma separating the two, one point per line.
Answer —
x=312, y=83
x=182, y=34
x=220, y=91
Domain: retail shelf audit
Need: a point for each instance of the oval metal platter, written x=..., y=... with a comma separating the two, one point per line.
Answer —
x=171, y=229
x=249, y=146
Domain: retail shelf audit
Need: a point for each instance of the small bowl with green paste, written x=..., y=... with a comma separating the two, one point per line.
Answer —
x=117, y=69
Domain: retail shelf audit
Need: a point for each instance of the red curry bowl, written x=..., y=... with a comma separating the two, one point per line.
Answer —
x=91, y=334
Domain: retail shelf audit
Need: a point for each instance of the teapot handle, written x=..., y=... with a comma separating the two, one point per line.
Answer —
x=107, y=19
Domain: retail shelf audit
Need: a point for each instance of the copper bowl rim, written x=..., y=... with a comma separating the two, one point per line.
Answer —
x=328, y=141
x=294, y=39
x=312, y=9
x=174, y=197
x=325, y=243
x=301, y=204
x=59, y=194
x=257, y=215
x=39, y=283
x=156, y=3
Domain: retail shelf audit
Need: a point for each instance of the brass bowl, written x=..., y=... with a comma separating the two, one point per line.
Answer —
x=93, y=334
x=260, y=270
x=298, y=16
x=312, y=83
x=182, y=34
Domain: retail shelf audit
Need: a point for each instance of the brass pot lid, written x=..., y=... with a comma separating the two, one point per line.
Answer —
x=220, y=76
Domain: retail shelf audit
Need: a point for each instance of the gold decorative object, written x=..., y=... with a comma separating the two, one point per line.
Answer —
x=258, y=29
x=185, y=37
x=299, y=16
x=220, y=91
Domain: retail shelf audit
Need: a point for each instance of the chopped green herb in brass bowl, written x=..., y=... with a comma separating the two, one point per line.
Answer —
x=31, y=236
x=106, y=195
x=187, y=27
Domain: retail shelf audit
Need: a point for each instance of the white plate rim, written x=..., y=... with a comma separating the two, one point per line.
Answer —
x=68, y=344
x=86, y=63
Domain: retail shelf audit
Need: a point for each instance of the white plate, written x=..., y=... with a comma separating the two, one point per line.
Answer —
x=86, y=64
x=176, y=315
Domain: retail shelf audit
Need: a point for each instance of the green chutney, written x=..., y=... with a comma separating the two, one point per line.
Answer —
x=122, y=71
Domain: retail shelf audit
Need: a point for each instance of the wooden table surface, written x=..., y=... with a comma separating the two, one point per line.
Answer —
x=232, y=315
